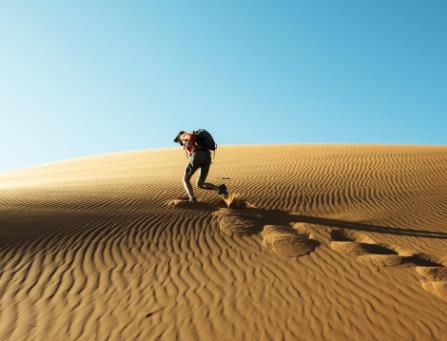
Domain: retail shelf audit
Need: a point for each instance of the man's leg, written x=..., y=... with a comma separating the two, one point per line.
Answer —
x=221, y=189
x=188, y=187
x=207, y=185
x=203, y=174
x=189, y=171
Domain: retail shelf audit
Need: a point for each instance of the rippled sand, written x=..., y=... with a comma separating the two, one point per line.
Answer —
x=327, y=242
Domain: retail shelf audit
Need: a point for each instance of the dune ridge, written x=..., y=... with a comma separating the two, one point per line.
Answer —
x=325, y=242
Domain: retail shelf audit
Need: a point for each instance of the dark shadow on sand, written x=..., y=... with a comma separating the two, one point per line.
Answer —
x=279, y=217
x=369, y=227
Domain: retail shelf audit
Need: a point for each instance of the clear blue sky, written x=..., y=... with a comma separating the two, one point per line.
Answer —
x=86, y=77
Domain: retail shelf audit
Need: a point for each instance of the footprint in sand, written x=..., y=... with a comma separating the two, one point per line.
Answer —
x=434, y=275
x=294, y=241
x=283, y=240
x=234, y=221
x=183, y=203
x=363, y=247
x=286, y=241
x=433, y=272
x=234, y=200
x=242, y=218
x=237, y=218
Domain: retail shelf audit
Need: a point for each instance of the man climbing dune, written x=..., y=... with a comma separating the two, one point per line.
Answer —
x=198, y=146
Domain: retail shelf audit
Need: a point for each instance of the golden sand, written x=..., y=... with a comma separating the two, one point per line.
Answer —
x=327, y=242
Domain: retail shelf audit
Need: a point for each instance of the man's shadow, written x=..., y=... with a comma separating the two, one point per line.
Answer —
x=263, y=217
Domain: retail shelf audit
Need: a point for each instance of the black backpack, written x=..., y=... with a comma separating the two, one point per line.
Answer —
x=204, y=140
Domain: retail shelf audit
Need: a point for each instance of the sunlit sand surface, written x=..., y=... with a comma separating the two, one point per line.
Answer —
x=315, y=242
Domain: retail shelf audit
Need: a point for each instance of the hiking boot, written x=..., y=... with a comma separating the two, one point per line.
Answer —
x=223, y=190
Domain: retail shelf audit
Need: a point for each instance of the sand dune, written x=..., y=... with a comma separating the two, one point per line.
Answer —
x=327, y=242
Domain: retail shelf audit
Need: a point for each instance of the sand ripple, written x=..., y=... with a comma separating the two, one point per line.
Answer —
x=101, y=248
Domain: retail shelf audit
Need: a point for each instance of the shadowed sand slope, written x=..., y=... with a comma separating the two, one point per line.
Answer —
x=320, y=242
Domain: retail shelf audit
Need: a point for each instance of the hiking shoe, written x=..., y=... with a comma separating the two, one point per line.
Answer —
x=223, y=190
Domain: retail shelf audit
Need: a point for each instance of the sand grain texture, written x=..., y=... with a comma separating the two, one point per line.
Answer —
x=328, y=242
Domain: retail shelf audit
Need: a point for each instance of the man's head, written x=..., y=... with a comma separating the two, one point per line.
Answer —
x=177, y=138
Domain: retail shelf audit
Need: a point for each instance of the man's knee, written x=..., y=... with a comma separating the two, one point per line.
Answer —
x=186, y=177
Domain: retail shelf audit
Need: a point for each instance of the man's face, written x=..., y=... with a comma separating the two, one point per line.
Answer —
x=183, y=138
